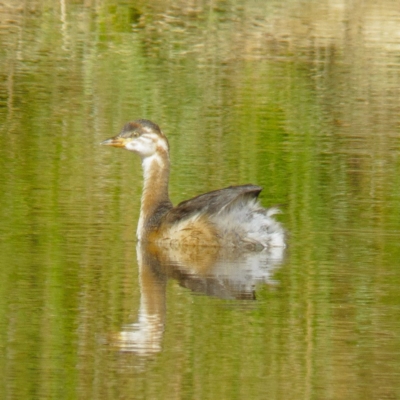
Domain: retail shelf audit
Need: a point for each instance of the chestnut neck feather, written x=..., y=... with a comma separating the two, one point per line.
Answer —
x=155, y=199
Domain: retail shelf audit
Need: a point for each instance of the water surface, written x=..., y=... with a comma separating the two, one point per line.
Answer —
x=301, y=98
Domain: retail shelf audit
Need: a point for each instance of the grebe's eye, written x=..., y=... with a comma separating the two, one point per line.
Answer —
x=135, y=134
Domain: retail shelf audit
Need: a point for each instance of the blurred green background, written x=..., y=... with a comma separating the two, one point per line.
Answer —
x=300, y=97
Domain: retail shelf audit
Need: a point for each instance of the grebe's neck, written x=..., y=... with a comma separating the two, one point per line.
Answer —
x=155, y=199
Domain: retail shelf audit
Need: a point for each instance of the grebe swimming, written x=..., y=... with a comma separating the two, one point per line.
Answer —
x=227, y=217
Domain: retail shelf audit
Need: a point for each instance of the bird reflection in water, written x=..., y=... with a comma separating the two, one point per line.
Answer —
x=212, y=271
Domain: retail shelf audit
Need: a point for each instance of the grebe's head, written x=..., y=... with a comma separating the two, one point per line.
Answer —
x=142, y=137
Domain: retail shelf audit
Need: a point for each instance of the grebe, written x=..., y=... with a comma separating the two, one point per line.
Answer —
x=227, y=217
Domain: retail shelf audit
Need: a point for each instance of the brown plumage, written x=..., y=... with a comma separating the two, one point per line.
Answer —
x=227, y=217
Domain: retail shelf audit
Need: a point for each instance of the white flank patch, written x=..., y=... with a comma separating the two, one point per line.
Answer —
x=249, y=222
x=245, y=224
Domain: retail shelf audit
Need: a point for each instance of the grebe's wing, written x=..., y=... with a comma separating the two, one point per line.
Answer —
x=213, y=202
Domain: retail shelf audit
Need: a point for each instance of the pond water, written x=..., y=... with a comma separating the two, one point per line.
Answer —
x=299, y=97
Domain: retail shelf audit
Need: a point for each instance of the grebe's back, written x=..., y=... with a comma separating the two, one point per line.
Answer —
x=225, y=217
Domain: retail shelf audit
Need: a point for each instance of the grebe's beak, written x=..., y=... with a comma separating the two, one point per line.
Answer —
x=115, y=141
